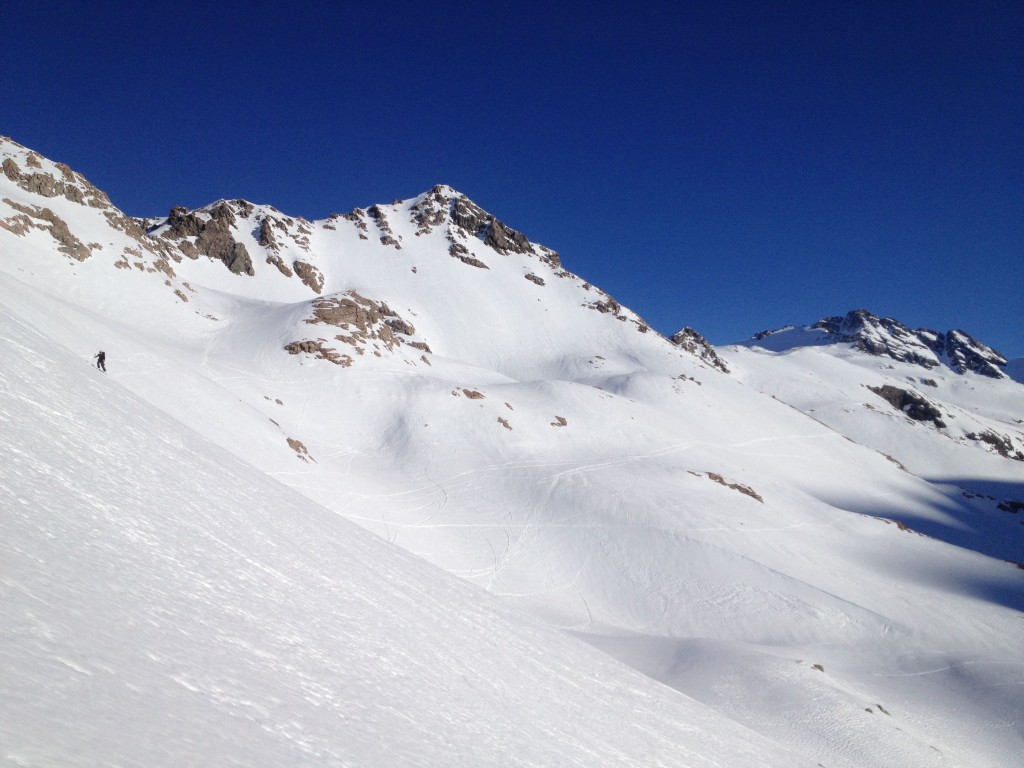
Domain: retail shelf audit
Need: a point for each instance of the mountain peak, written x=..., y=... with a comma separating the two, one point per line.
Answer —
x=888, y=337
x=446, y=205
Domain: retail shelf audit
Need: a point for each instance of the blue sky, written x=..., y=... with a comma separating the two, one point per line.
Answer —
x=732, y=166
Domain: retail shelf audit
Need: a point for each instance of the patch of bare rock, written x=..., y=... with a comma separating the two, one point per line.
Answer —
x=366, y=325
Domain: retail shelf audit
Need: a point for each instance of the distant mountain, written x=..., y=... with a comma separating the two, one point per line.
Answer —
x=921, y=374
x=591, y=545
x=886, y=337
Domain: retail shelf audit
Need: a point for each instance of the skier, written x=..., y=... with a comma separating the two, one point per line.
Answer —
x=101, y=360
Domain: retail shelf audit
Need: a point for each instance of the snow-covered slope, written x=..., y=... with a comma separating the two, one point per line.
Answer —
x=954, y=420
x=165, y=604
x=425, y=371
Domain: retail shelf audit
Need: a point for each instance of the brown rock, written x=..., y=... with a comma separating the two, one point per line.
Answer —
x=11, y=169
x=266, y=235
x=309, y=275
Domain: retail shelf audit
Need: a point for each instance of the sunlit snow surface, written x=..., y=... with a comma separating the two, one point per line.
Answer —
x=166, y=604
x=590, y=549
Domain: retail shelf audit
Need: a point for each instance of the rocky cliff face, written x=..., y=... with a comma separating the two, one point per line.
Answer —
x=41, y=197
x=886, y=337
x=962, y=352
x=220, y=232
x=443, y=206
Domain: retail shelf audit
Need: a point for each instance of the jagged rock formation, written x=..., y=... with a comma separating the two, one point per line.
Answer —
x=266, y=235
x=218, y=232
x=443, y=204
x=70, y=184
x=49, y=181
x=887, y=337
x=213, y=237
x=35, y=217
x=309, y=275
x=697, y=345
x=461, y=252
x=965, y=353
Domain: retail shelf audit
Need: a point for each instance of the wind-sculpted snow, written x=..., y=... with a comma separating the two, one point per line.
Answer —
x=826, y=575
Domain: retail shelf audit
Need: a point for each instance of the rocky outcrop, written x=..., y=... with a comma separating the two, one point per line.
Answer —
x=697, y=345
x=366, y=325
x=478, y=223
x=320, y=351
x=1001, y=444
x=213, y=237
x=237, y=260
x=746, y=490
x=60, y=181
x=431, y=211
x=881, y=336
x=914, y=405
x=135, y=229
x=387, y=236
x=363, y=318
x=443, y=207
x=460, y=252
x=309, y=275
x=34, y=217
x=886, y=337
x=277, y=261
x=11, y=170
x=300, y=450
x=606, y=306
x=963, y=353
x=183, y=223
x=265, y=237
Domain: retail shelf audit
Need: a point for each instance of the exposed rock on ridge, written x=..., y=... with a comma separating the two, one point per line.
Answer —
x=442, y=203
x=213, y=236
x=886, y=337
x=41, y=178
x=34, y=178
x=697, y=345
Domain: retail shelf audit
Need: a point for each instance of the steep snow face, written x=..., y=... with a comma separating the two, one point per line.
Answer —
x=886, y=337
x=165, y=603
x=519, y=429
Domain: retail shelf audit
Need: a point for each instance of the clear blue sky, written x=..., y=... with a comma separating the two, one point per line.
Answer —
x=732, y=166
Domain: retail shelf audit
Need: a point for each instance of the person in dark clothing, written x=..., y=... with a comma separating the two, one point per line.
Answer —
x=101, y=360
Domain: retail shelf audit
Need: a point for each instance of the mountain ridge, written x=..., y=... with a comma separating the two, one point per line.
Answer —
x=207, y=231
x=888, y=337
